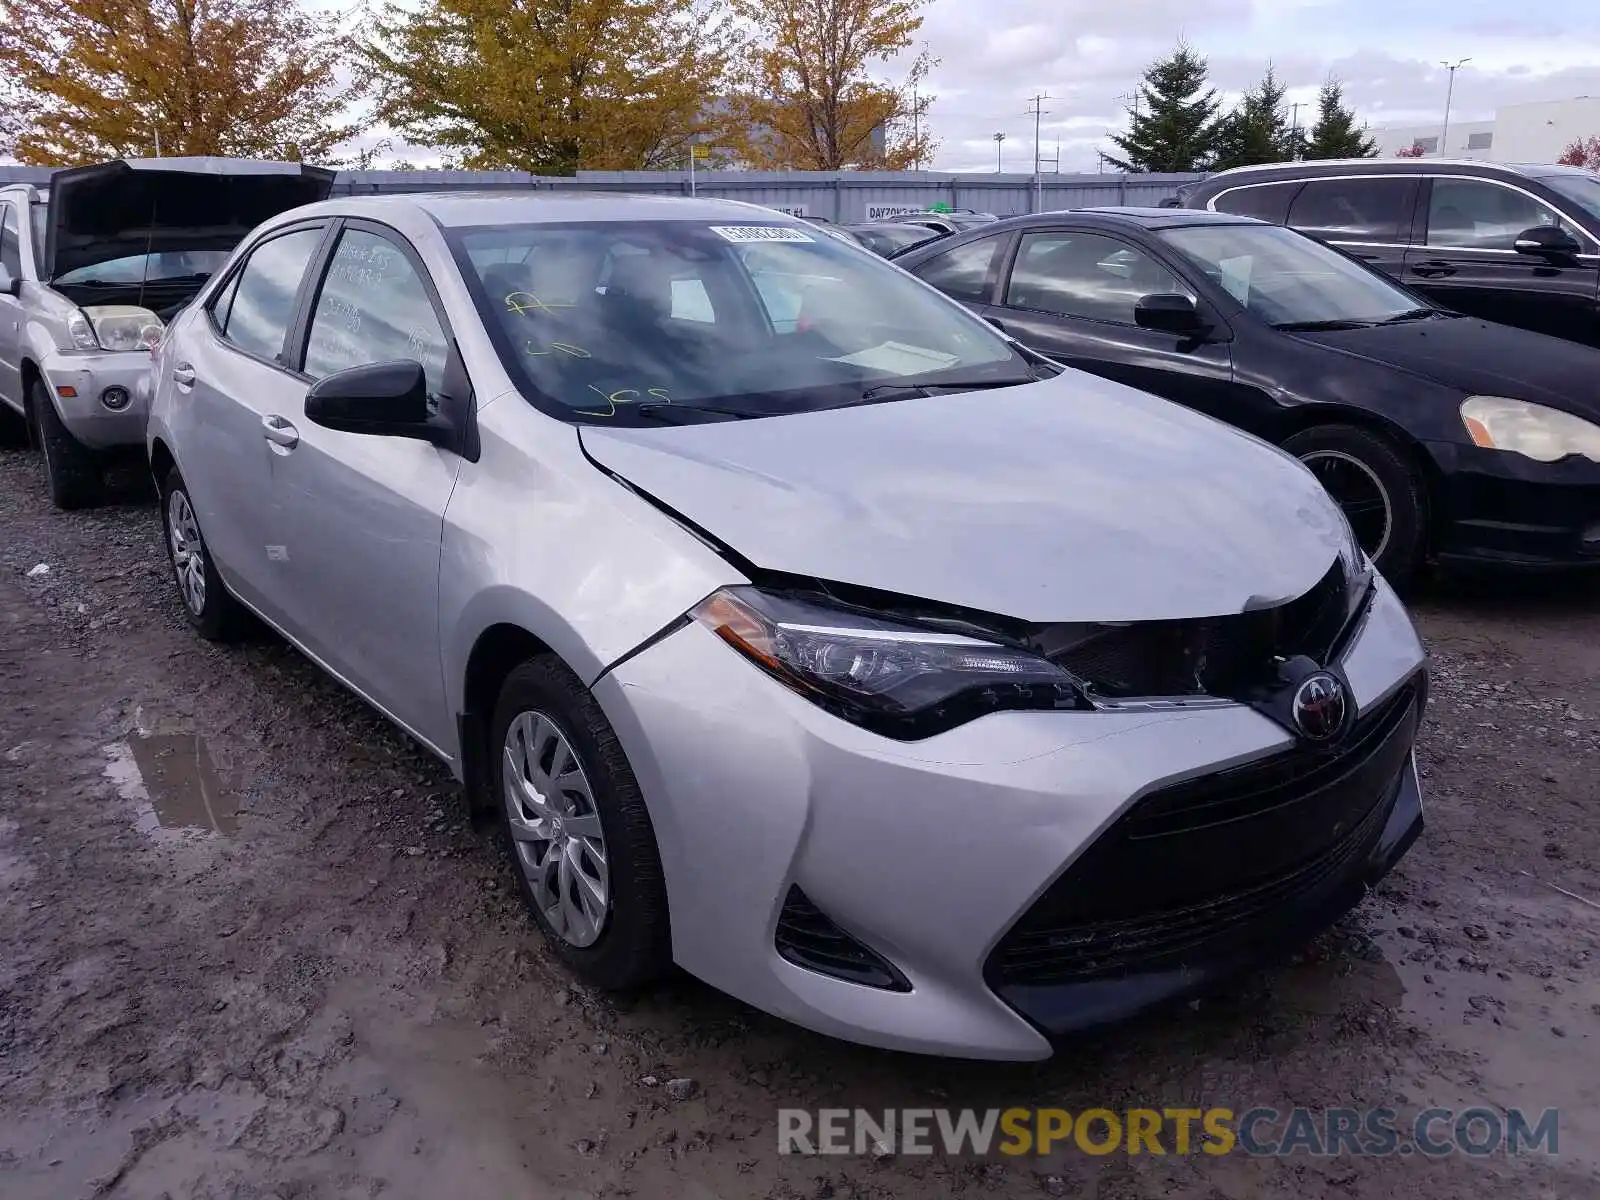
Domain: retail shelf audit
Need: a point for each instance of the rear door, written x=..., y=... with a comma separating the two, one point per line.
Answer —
x=1263, y=201
x=231, y=374
x=1368, y=216
x=1070, y=293
x=1469, y=263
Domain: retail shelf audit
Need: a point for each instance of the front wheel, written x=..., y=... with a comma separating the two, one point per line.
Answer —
x=71, y=468
x=577, y=829
x=1381, y=494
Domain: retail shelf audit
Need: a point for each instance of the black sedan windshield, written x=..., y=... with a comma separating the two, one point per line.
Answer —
x=675, y=320
x=1289, y=280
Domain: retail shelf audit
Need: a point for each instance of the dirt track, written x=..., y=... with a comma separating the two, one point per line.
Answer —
x=338, y=995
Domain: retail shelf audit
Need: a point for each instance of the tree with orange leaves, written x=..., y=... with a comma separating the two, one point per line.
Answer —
x=100, y=79
x=805, y=97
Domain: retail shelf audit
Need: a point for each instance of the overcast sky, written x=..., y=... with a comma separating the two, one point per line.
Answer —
x=1085, y=53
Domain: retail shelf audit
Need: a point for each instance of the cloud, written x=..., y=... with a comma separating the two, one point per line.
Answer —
x=1087, y=54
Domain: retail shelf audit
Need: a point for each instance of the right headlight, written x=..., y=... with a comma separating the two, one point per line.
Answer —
x=114, y=327
x=1532, y=430
x=894, y=677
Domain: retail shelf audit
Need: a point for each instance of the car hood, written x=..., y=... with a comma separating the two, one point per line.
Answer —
x=1071, y=499
x=139, y=205
x=1481, y=358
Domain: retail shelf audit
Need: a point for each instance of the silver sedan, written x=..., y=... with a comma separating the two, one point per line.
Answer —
x=800, y=628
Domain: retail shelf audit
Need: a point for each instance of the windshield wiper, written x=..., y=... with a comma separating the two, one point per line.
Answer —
x=1320, y=326
x=943, y=385
x=663, y=411
x=1411, y=314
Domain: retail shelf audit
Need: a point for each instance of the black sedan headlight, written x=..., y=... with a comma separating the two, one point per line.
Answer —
x=894, y=677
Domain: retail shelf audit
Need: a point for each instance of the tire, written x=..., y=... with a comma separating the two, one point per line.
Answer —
x=206, y=601
x=543, y=707
x=1352, y=462
x=71, y=469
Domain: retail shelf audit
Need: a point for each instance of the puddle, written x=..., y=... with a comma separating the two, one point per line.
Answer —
x=171, y=778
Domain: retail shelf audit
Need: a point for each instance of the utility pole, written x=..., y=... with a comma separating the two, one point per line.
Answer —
x=1294, y=132
x=1037, y=109
x=1449, y=95
x=998, y=138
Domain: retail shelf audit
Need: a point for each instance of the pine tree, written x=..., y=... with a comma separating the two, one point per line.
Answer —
x=1336, y=134
x=1255, y=131
x=1174, y=120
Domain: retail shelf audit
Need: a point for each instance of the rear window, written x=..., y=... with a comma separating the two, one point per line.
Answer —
x=1355, y=209
x=1264, y=201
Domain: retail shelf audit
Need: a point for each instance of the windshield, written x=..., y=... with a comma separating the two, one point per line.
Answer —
x=622, y=321
x=1582, y=190
x=1287, y=279
x=148, y=268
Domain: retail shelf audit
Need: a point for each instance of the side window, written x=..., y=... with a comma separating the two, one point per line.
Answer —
x=1265, y=202
x=10, y=241
x=1478, y=215
x=373, y=308
x=260, y=301
x=963, y=272
x=1354, y=209
x=1086, y=275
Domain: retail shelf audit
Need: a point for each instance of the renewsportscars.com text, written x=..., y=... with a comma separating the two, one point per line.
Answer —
x=1257, y=1132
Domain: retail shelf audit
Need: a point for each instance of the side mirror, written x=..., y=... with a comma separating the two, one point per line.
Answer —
x=9, y=284
x=1169, y=314
x=1547, y=241
x=385, y=399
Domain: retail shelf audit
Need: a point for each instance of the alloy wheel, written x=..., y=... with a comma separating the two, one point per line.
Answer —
x=188, y=552
x=1357, y=490
x=555, y=828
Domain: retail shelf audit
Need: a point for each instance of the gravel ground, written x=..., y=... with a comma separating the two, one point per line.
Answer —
x=334, y=992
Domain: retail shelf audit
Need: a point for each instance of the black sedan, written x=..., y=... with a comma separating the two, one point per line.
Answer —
x=1444, y=437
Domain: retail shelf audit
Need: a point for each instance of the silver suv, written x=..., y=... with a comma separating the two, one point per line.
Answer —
x=92, y=269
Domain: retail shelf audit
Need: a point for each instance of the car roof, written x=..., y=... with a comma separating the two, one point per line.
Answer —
x=1162, y=218
x=465, y=208
x=1314, y=168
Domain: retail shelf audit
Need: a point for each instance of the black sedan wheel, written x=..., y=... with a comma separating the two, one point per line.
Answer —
x=1379, y=491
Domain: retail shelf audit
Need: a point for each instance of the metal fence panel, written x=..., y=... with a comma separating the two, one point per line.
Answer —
x=834, y=195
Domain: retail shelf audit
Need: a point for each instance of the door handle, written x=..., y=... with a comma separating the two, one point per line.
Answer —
x=1432, y=268
x=279, y=432
x=183, y=376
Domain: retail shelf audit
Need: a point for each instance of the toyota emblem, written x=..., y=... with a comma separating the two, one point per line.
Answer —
x=1319, y=707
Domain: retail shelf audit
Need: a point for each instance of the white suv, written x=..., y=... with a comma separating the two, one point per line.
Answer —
x=90, y=272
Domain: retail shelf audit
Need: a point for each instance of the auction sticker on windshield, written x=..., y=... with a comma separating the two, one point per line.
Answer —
x=760, y=233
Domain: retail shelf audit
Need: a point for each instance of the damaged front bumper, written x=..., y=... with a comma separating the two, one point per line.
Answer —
x=102, y=397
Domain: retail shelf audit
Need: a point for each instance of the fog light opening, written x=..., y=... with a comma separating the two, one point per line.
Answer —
x=115, y=398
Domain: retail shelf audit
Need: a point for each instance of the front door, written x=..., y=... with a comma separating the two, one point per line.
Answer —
x=10, y=308
x=1470, y=264
x=363, y=515
x=1071, y=294
x=227, y=383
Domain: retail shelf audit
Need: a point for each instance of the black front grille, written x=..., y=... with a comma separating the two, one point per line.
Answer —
x=1216, y=656
x=1228, y=855
x=808, y=938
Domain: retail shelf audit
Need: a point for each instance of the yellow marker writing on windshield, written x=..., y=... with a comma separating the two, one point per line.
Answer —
x=611, y=398
x=525, y=302
x=555, y=347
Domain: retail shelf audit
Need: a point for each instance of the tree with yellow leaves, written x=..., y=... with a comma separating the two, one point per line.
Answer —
x=99, y=79
x=805, y=98
x=553, y=86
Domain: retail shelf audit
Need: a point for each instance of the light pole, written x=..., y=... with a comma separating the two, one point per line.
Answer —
x=1449, y=95
x=998, y=138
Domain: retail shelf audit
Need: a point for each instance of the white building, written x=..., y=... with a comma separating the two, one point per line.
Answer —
x=1519, y=133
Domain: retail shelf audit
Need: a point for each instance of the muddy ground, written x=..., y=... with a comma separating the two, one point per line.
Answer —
x=250, y=947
